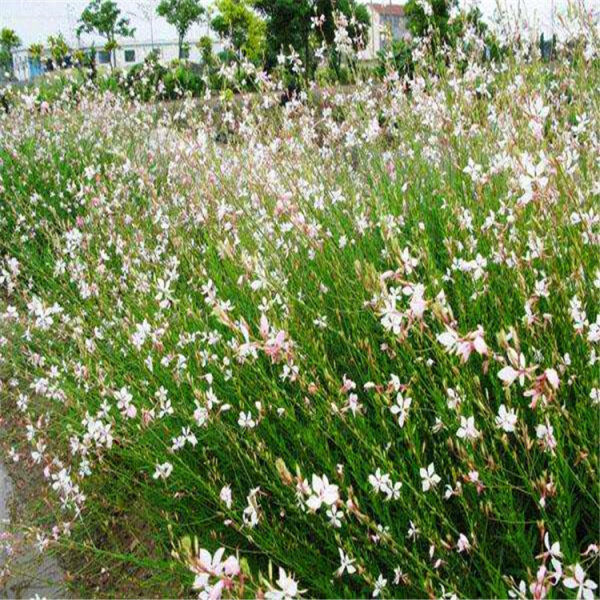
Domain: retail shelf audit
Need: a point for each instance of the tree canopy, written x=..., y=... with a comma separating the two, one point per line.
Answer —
x=237, y=21
x=182, y=14
x=442, y=18
x=9, y=40
x=301, y=24
x=59, y=50
x=36, y=51
x=104, y=18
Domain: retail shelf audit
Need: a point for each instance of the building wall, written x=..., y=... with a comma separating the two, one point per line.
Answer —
x=21, y=65
x=168, y=52
x=381, y=26
x=25, y=69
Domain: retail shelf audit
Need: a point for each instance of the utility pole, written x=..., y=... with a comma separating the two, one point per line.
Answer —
x=148, y=12
x=372, y=30
x=72, y=26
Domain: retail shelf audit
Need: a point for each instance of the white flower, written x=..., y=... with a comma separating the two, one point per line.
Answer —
x=208, y=566
x=393, y=492
x=124, y=398
x=398, y=576
x=545, y=433
x=454, y=399
x=225, y=496
x=585, y=587
x=413, y=530
x=380, y=481
x=288, y=588
x=448, y=339
x=346, y=564
x=335, y=517
x=508, y=375
x=323, y=493
x=163, y=471
x=467, y=429
x=200, y=415
x=552, y=550
x=250, y=515
x=400, y=408
x=209, y=562
x=391, y=317
x=429, y=477
x=594, y=331
x=506, y=419
x=379, y=585
x=245, y=420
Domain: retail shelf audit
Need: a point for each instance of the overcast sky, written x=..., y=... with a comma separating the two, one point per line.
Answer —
x=35, y=20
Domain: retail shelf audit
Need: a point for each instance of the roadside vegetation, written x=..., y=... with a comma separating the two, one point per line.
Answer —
x=294, y=42
x=341, y=345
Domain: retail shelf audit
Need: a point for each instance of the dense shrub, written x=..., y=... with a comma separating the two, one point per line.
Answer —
x=398, y=57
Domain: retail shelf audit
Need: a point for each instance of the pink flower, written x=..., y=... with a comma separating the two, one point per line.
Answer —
x=274, y=345
x=207, y=567
x=518, y=370
x=464, y=346
x=508, y=375
x=264, y=327
x=347, y=385
x=463, y=544
x=539, y=587
x=552, y=378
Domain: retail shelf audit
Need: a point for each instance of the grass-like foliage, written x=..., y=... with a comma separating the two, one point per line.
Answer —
x=351, y=340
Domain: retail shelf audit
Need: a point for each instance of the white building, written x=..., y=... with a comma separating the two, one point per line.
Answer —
x=23, y=67
x=128, y=54
x=387, y=22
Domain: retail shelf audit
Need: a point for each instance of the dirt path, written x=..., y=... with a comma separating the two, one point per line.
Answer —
x=31, y=574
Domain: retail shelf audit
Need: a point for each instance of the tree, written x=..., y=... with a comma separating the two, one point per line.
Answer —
x=443, y=20
x=104, y=17
x=36, y=51
x=9, y=40
x=358, y=22
x=290, y=24
x=238, y=22
x=433, y=17
x=356, y=14
x=182, y=14
x=59, y=50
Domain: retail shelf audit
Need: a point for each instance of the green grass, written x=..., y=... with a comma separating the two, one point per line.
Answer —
x=98, y=204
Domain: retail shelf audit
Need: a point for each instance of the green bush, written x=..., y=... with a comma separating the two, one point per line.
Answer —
x=400, y=60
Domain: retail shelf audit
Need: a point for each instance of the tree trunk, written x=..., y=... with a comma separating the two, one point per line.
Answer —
x=113, y=54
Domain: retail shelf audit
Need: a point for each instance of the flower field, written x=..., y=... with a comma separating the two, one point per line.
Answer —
x=343, y=346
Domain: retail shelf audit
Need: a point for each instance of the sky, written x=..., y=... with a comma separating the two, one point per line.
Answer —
x=35, y=20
